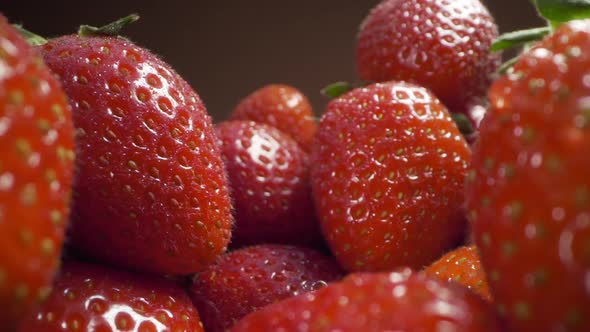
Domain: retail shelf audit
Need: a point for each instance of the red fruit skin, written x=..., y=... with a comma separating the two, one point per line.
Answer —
x=443, y=45
x=463, y=266
x=283, y=107
x=270, y=185
x=388, y=169
x=94, y=298
x=36, y=170
x=397, y=301
x=528, y=191
x=151, y=191
x=248, y=279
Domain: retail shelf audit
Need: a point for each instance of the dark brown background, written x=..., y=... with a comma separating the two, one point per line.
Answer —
x=226, y=49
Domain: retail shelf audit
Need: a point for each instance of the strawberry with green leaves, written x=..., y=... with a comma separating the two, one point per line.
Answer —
x=388, y=168
x=248, y=279
x=95, y=298
x=399, y=301
x=529, y=189
x=151, y=191
x=36, y=170
x=443, y=45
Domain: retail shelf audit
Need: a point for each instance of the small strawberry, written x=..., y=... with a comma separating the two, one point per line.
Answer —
x=36, y=170
x=247, y=279
x=388, y=167
x=151, y=191
x=270, y=186
x=94, y=298
x=400, y=301
x=462, y=265
x=529, y=190
x=283, y=107
x=443, y=45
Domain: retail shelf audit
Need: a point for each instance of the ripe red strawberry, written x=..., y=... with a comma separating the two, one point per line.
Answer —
x=36, y=169
x=95, y=298
x=245, y=280
x=442, y=45
x=400, y=301
x=462, y=265
x=529, y=191
x=270, y=186
x=151, y=191
x=283, y=107
x=388, y=168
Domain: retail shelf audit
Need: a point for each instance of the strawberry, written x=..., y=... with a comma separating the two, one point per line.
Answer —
x=36, y=170
x=95, y=298
x=270, y=186
x=442, y=45
x=462, y=265
x=151, y=192
x=283, y=107
x=529, y=191
x=388, y=167
x=247, y=279
x=400, y=301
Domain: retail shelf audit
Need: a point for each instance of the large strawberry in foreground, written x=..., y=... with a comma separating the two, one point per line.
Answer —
x=388, y=168
x=529, y=191
x=443, y=45
x=95, y=298
x=397, y=301
x=151, y=190
x=36, y=168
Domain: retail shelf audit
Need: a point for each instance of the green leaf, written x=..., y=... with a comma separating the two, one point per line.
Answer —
x=32, y=39
x=516, y=38
x=559, y=11
x=111, y=29
x=463, y=123
x=337, y=89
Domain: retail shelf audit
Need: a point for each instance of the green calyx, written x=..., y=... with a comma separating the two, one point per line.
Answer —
x=560, y=11
x=555, y=12
x=111, y=29
x=31, y=38
x=463, y=123
x=337, y=89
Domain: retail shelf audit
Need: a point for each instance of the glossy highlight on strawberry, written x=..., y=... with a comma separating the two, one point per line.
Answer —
x=270, y=185
x=151, y=191
x=36, y=171
x=388, y=169
x=94, y=298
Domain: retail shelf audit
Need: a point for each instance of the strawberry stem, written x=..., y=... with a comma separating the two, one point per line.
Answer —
x=32, y=38
x=111, y=29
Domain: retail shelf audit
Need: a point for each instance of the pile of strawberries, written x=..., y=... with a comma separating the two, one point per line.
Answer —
x=446, y=192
